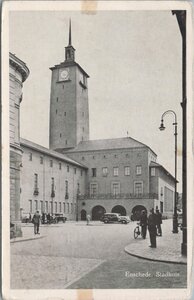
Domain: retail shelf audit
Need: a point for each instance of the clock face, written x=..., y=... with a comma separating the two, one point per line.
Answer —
x=64, y=74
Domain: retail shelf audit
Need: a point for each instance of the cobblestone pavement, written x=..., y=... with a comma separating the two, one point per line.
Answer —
x=78, y=256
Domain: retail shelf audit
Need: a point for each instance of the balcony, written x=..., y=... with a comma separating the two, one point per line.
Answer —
x=36, y=192
x=117, y=196
x=52, y=194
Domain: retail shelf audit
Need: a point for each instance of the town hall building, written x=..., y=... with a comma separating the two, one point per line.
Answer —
x=77, y=176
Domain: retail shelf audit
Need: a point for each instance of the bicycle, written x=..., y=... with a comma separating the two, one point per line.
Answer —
x=137, y=231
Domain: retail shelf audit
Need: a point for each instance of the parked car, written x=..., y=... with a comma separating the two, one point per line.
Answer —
x=110, y=218
x=60, y=218
x=25, y=218
x=124, y=219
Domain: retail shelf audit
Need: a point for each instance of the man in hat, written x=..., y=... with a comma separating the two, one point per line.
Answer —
x=152, y=228
x=36, y=222
x=143, y=223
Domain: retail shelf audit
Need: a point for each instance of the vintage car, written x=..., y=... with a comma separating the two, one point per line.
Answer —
x=60, y=218
x=124, y=219
x=110, y=218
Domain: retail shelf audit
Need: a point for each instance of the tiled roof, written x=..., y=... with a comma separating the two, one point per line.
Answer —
x=108, y=144
x=44, y=150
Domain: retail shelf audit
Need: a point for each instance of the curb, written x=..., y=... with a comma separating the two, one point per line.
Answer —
x=154, y=259
x=27, y=239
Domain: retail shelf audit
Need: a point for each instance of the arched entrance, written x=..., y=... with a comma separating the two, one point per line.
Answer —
x=83, y=215
x=97, y=212
x=136, y=212
x=119, y=209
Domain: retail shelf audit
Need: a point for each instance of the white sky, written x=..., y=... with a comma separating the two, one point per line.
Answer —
x=134, y=62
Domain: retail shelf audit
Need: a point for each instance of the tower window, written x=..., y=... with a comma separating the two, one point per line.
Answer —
x=57, y=99
x=83, y=158
x=60, y=135
x=59, y=166
x=65, y=113
x=56, y=111
x=83, y=129
x=66, y=142
x=83, y=114
x=68, y=169
x=115, y=171
x=138, y=170
x=30, y=156
x=74, y=170
x=41, y=160
x=51, y=163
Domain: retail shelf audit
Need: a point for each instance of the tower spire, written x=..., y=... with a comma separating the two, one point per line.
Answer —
x=69, y=50
x=69, y=32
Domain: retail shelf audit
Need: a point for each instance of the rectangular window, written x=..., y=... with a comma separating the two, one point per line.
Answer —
x=41, y=206
x=93, y=172
x=81, y=172
x=71, y=207
x=60, y=207
x=68, y=169
x=93, y=189
x=115, y=188
x=64, y=207
x=35, y=181
x=51, y=163
x=153, y=171
x=74, y=170
x=30, y=156
x=41, y=160
x=59, y=166
x=36, y=184
x=30, y=206
x=138, y=170
x=104, y=172
x=138, y=188
x=68, y=208
x=56, y=207
x=46, y=206
x=52, y=187
x=127, y=171
x=51, y=207
x=66, y=190
x=36, y=204
x=115, y=171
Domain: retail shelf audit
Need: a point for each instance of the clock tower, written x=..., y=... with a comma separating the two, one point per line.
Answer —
x=69, y=114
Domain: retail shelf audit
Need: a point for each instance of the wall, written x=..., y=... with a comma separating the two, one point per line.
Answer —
x=45, y=173
x=18, y=72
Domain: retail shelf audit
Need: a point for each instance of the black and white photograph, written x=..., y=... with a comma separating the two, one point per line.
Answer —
x=97, y=106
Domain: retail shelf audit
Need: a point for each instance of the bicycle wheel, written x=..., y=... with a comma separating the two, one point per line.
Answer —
x=136, y=232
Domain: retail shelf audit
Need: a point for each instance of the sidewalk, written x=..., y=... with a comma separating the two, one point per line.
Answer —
x=27, y=235
x=168, y=246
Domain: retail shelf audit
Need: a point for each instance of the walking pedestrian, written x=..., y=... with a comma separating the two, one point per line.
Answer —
x=152, y=228
x=36, y=222
x=158, y=222
x=88, y=219
x=143, y=223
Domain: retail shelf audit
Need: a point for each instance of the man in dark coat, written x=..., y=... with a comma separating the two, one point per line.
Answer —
x=152, y=228
x=143, y=223
x=158, y=222
x=36, y=222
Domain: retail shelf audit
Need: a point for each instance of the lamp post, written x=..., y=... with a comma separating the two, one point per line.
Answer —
x=162, y=127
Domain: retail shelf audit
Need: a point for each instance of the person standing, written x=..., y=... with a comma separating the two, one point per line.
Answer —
x=36, y=222
x=88, y=219
x=158, y=222
x=152, y=228
x=143, y=223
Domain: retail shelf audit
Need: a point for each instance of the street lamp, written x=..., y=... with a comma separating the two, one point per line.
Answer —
x=162, y=127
